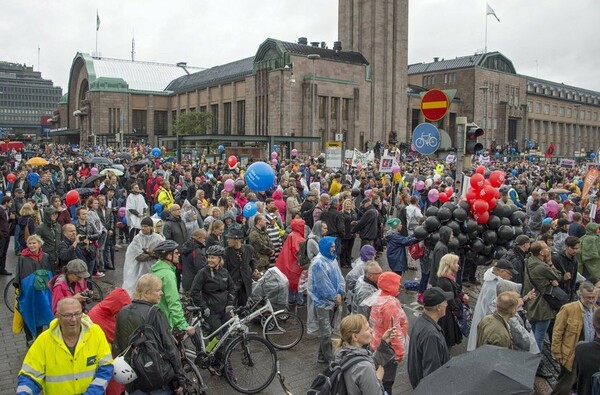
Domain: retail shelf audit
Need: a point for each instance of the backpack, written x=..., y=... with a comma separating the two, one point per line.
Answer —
x=331, y=380
x=303, y=259
x=147, y=356
x=596, y=383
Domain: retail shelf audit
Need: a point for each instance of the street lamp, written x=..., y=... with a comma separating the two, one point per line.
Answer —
x=291, y=81
x=485, y=89
x=313, y=57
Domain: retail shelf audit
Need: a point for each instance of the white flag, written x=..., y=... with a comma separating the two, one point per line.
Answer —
x=490, y=11
x=98, y=20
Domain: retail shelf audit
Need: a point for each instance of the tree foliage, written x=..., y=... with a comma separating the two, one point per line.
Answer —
x=193, y=122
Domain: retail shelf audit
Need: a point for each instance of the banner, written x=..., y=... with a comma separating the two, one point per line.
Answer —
x=568, y=163
x=386, y=164
x=333, y=154
x=450, y=159
x=588, y=181
x=362, y=158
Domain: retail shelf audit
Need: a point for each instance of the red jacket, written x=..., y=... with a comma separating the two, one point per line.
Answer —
x=105, y=313
x=386, y=306
x=60, y=289
x=278, y=197
x=287, y=261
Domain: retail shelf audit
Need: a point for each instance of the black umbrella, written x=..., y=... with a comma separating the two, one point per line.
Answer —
x=142, y=163
x=491, y=370
x=100, y=160
x=90, y=180
x=86, y=192
x=51, y=167
x=124, y=155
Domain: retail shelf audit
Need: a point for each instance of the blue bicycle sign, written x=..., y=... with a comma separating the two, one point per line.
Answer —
x=426, y=138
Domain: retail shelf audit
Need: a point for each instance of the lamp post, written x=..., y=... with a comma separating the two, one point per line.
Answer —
x=576, y=107
x=313, y=57
x=485, y=89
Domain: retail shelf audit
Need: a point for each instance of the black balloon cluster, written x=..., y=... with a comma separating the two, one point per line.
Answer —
x=480, y=243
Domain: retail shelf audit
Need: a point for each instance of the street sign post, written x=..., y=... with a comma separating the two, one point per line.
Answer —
x=434, y=105
x=426, y=138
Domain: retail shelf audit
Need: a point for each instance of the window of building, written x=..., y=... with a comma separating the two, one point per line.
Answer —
x=334, y=107
x=546, y=109
x=214, y=109
x=241, y=117
x=562, y=112
x=538, y=89
x=173, y=116
x=568, y=112
x=561, y=94
x=589, y=116
x=554, y=109
x=495, y=123
x=227, y=118
x=517, y=91
x=595, y=116
x=322, y=107
x=139, y=121
x=538, y=108
x=345, y=106
x=160, y=122
x=529, y=106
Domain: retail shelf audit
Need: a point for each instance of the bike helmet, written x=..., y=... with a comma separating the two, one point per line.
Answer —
x=215, y=250
x=165, y=247
x=123, y=373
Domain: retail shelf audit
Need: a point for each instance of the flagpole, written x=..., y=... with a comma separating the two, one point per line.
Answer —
x=97, y=31
x=486, y=19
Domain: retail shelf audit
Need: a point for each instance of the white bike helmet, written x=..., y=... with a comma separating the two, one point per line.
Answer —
x=123, y=373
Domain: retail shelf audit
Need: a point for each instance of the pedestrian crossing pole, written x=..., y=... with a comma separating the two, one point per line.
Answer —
x=461, y=158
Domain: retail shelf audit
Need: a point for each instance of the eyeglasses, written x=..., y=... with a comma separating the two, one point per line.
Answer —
x=70, y=316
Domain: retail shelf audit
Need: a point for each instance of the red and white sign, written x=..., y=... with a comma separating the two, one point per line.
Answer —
x=434, y=105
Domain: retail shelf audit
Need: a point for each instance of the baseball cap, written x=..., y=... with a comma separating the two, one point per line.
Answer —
x=435, y=295
x=522, y=239
x=235, y=233
x=506, y=265
x=78, y=267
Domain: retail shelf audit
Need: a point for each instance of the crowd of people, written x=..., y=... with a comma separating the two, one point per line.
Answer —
x=187, y=233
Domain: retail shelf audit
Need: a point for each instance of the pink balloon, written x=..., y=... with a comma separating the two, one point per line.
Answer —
x=294, y=152
x=395, y=169
x=229, y=185
x=94, y=171
x=552, y=206
x=359, y=166
x=273, y=155
x=433, y=195
x=420, y=185
x=274, y=161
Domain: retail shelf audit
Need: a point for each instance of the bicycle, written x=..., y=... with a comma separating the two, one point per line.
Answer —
x=10, y=294
x=248, y=362
x=426, y=139
x=194, y=384
x=281, y=328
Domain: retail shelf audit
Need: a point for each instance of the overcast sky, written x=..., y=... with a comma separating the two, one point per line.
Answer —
x=556, y=40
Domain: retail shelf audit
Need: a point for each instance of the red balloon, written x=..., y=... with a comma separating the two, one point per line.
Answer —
x=477, y=181
x=497, y=178
x=496, y=193
x=480, y=170
x=449, y=191
x=480, y=206
x=487, y=193
x=11, y=178
x=492, y=203
x=482, y=218
x=444, y=197
x=232, y=161
x=72, y=197
x=471, y=195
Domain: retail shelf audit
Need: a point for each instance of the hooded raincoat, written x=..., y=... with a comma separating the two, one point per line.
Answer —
x=104, y=314
x=487, y=295
x=50, y=233
x=134, y=268
x=588, y=257
x=287, y=261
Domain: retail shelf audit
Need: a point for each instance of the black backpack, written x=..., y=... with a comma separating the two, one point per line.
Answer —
x=303, y=259
x=147, y=356
x=331, y=380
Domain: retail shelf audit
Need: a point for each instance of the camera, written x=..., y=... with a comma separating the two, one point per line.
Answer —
x=87, y=294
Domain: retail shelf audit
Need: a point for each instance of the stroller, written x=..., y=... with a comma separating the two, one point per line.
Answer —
x=274, y=286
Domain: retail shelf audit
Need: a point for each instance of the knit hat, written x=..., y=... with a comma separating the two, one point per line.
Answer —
x=393, y=222
x=148, y=222
x=367, y=252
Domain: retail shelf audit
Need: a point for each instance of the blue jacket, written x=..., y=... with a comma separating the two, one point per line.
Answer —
x=325, y=277
x=396, y=250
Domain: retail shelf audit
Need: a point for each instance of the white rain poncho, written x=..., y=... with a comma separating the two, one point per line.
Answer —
x=187, y=215
x=134, y=269
x=273, y=285
x=325, y=282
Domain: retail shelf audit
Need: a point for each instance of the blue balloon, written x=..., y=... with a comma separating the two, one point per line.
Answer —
x=580, y=184
x=156, y=152
x=497, y=153
x=124, y=220
x=250, y=209
x=593, y=155
x=158, y=208
x=221, y=148
x=33, y=179
x=260, y=176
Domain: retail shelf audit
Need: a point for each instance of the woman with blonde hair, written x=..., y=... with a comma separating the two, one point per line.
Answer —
x=449, y=265
x=26, y=223
x=215, y=233
x=364, y=369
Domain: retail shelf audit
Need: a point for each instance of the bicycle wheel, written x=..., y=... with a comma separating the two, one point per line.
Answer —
x=97, y=297
x=283, y=330
x=194, y=382
x=10, y=296
x=250, y=364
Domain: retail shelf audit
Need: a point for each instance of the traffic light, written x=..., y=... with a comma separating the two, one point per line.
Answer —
x=471, y=144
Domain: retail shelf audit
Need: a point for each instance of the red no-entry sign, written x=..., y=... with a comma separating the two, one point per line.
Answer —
x=434, y=105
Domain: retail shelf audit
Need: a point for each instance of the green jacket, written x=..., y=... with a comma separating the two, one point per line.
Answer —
x=539, y=273
x=493, y=330
x=263, y=246
x=588, y=257
x=170, y=303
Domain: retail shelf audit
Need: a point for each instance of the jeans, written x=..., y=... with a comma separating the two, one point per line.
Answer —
x=539, y=332
x=101, y=246
x=324, y=318
x=18, y=246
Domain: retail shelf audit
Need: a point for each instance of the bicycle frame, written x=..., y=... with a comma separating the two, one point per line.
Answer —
x=233, y=324
x=267, y=308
